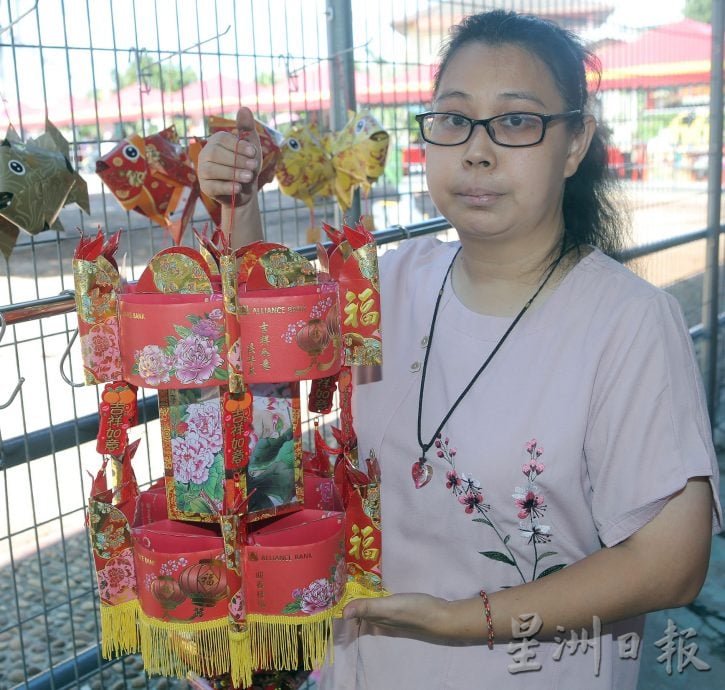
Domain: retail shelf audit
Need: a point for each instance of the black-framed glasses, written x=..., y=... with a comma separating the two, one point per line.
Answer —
x=510, y=129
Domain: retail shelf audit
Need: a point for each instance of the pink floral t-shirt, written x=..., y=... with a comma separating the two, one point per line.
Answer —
x=583, y=424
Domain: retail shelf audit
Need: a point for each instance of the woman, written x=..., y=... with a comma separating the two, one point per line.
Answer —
x=547, y=465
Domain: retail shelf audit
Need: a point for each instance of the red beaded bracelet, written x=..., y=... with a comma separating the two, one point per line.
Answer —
x=489, y=620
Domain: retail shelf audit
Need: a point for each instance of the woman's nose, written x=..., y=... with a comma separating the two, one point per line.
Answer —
x=480, y=149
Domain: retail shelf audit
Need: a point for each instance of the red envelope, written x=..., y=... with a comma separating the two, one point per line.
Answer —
x=97, y=284
x=353, y=263
x=172, y=341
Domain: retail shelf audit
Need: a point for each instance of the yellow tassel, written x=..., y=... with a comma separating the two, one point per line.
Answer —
x=173, y=649
x=287, y=642
x=240, y=653
x=119, y=629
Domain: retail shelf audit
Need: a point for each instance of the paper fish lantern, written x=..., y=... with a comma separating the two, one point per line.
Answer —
x=270, y=141
x=305, y=169
x=334, y=164
x=148, y=174
x=358, y=155
x=36, y=182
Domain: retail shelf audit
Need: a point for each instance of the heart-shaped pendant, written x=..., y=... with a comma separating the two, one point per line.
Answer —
x=422, y=474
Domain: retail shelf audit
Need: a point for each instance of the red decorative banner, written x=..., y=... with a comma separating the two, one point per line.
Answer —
x=118, y=412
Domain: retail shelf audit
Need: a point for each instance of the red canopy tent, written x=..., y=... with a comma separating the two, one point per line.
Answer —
x=669, y=55
x=305, y=90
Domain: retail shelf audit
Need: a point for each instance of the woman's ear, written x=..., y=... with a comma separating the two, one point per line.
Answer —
x=579, y=145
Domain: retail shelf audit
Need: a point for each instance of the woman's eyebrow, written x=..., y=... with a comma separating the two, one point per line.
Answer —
x=503, y=96
x=452, y=94
x=521, y=96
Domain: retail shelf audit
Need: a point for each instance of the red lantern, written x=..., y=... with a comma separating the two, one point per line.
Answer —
x=204, y=583
x=165, y=589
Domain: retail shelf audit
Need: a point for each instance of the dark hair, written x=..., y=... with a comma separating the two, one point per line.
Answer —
x=592, y=214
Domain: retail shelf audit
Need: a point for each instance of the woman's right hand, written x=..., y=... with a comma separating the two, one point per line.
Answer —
x=229, y=164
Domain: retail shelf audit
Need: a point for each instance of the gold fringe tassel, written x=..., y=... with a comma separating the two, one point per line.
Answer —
x=119, y=628
x=240, y=653
x=278, y=642
x=173, y=649
x=210, y=648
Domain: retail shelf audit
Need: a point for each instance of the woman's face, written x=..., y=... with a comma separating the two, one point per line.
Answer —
x=487, y=191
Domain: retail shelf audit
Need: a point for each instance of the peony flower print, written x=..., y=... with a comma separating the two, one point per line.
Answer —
x=117, y=579
x=195, y=359
x=192, y=458
x=207, y=328
x=101, y=350
x=153, y=365
x=318, y=596
x=204, y=419
x=192, y=356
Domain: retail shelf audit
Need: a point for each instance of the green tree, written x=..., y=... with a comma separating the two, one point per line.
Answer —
x=148, y=71
x=701, y=10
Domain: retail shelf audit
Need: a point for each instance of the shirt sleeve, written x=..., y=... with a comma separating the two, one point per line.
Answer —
x=648, y=430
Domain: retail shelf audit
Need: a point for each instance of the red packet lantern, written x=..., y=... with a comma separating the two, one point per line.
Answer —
x=97, y=284
x=36, y=181
x=358, y=154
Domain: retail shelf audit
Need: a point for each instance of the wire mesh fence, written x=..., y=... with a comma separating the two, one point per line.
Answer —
x=101, y=71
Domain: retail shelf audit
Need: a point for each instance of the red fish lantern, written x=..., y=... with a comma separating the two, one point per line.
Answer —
x=148, y=175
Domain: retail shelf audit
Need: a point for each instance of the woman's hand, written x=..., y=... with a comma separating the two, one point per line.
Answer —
x=424, y=617
x=229, y=163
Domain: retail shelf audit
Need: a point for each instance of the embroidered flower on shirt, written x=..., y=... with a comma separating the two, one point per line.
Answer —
x=528, y=499
x=531, y=504
x=452, y=479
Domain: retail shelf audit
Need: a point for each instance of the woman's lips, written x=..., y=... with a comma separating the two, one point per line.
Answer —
x=479, y=197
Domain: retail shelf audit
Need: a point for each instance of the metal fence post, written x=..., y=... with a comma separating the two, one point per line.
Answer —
x=342, y=76
x=710, y=296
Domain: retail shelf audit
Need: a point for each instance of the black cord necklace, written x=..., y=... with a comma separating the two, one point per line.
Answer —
x=421, y=470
